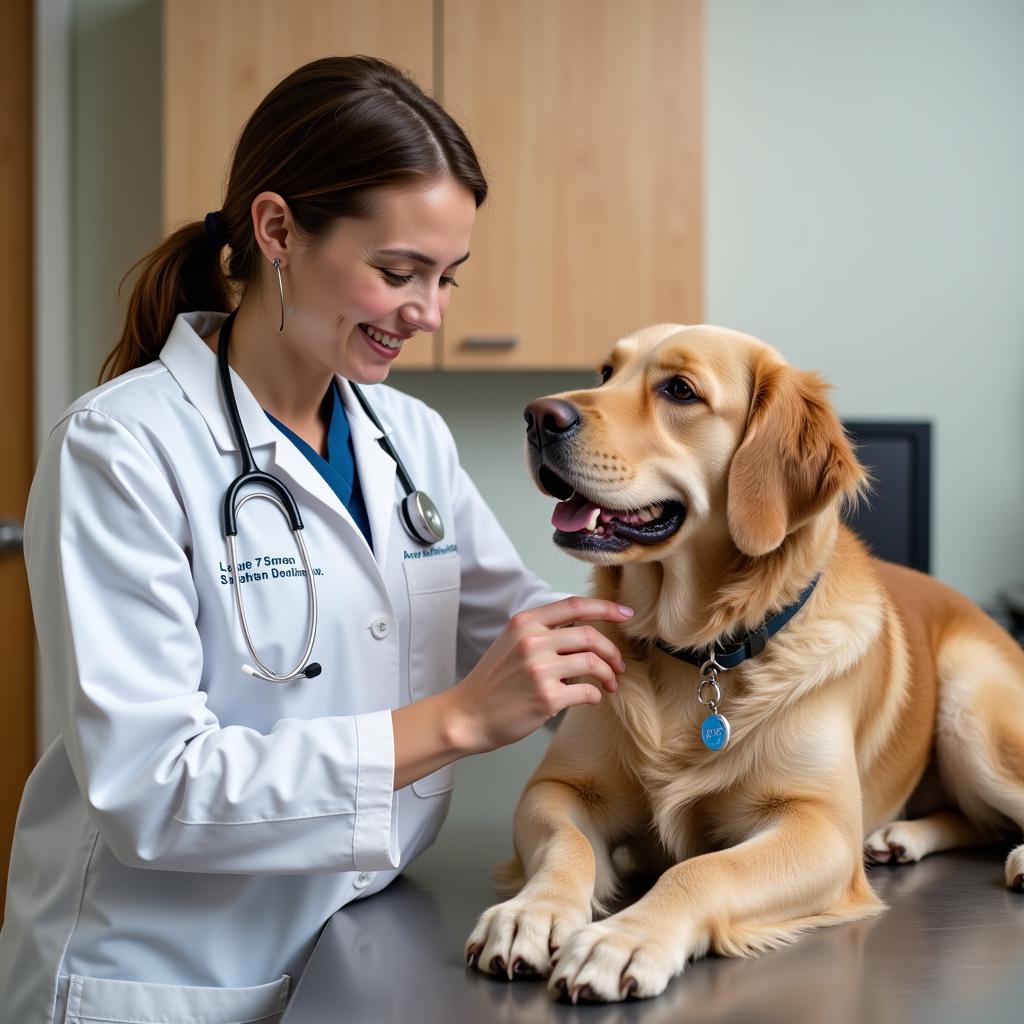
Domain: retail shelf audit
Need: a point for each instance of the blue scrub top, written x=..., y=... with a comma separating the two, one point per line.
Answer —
x=339, y=468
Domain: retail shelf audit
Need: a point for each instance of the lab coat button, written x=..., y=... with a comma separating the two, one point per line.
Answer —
x=362, y=880
x=380, y=628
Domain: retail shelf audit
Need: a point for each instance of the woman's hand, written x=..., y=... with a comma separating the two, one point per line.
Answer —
x=525, y=677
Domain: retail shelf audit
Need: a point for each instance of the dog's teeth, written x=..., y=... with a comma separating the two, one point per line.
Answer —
x=592, y=522
x=654, y=512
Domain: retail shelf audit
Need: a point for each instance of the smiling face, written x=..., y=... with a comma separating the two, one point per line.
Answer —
x=694, y=432
x=374, y=283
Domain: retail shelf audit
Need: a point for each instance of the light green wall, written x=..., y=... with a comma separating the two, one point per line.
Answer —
x=864, y=214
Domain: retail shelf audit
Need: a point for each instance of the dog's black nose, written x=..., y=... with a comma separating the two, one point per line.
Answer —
x=549, y=420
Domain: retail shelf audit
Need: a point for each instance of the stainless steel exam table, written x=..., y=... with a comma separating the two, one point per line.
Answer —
x=950, y=949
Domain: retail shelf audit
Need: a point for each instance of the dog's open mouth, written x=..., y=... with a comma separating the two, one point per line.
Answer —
x=584, y=524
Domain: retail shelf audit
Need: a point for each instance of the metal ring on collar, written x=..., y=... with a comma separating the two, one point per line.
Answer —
x=700, y=692
x=711, y=667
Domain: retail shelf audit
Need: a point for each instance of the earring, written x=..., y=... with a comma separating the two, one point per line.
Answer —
x=280, y=287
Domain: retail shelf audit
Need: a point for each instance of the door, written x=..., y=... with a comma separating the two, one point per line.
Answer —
x=17, y=723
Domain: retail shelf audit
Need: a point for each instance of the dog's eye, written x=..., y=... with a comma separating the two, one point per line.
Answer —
x=679, y=390
x=606, y=372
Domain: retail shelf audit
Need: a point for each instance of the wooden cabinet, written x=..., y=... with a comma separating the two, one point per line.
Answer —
x=587, y=116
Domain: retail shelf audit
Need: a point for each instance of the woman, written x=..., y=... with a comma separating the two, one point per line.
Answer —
x=182, y=842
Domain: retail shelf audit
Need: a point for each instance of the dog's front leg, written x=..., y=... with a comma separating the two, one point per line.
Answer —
x=802, y=869
x=563, y=853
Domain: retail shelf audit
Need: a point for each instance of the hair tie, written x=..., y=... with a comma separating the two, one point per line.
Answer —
x=215, y=229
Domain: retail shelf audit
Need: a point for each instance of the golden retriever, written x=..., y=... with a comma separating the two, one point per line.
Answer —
x=705, y=478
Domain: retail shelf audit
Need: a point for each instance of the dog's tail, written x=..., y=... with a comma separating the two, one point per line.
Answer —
x=745, y=940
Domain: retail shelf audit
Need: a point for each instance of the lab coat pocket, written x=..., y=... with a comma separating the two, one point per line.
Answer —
x=434, y=616
x=102, y=1000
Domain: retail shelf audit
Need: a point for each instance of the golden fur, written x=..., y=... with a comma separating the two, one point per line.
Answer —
x=888, y=694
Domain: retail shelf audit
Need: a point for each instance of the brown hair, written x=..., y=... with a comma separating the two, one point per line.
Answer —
x=323, y=138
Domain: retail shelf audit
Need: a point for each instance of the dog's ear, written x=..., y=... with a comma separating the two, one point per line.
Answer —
x=795, y=459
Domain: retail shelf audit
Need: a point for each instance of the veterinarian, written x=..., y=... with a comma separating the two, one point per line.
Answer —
x=258, y=722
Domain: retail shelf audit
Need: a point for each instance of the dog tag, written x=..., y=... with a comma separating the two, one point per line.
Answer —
x=714, y=731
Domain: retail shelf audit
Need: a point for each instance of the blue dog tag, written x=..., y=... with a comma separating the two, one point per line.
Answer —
x=714, y=731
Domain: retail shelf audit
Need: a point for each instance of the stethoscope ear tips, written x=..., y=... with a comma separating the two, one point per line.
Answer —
x=312, y=670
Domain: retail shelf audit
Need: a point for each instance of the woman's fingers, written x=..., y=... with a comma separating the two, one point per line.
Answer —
x=578, y=693
x=585, y=638
x=528, y=673
x=573, y=666
x=573, y=609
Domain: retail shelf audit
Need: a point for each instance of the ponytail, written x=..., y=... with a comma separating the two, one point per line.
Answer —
x=183, y=273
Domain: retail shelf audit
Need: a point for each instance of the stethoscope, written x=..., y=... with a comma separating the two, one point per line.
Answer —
x=418, y=513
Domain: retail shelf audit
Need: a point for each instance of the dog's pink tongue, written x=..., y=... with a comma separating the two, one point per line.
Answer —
x=573, y=515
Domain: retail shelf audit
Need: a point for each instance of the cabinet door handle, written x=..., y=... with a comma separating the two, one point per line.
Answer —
x=490, y=341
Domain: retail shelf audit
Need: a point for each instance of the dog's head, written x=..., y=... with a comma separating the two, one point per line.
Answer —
x=694, y=432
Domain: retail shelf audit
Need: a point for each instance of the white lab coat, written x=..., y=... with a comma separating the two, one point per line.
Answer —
x=183, y=840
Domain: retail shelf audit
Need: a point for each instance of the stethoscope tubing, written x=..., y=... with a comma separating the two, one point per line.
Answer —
x=268, y=673
x=418, y=513
x=233, y=504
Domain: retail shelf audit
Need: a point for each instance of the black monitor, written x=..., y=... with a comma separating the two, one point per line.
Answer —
x=895, y=521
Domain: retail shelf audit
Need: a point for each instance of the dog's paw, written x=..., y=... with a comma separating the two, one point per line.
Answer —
x=615, y=959
x=1015, y=869
x=517, y=938
x=900, y=842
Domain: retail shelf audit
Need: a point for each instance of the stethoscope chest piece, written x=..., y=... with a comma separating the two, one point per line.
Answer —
x=421, y=518
x=419, y=514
